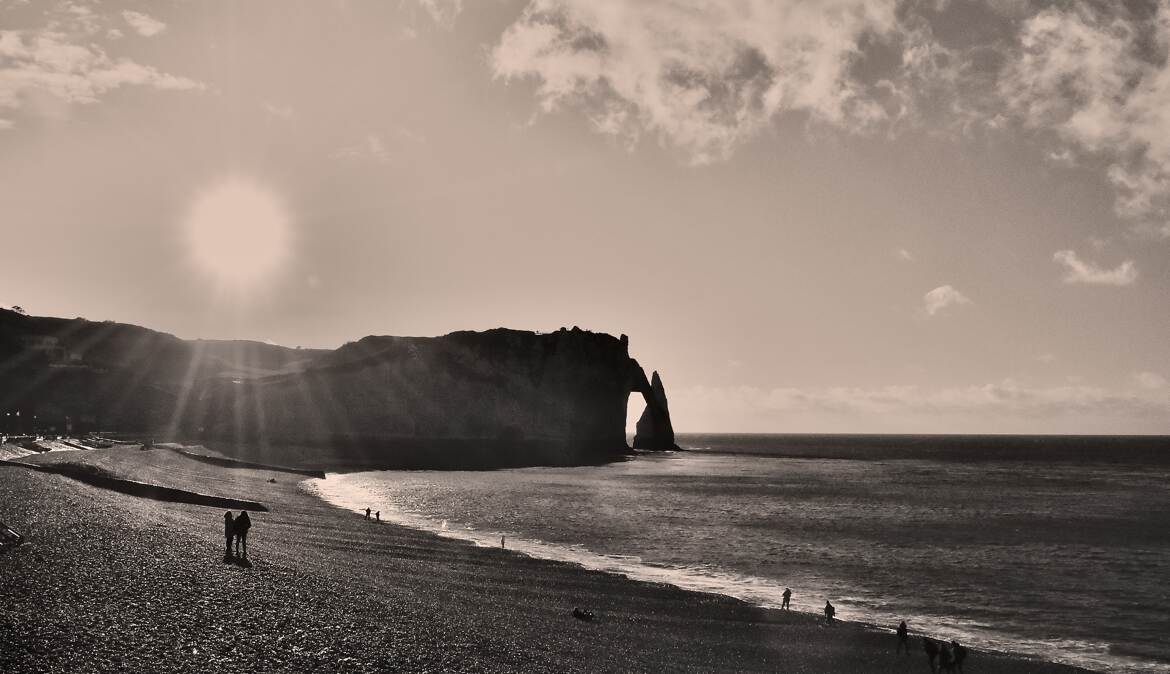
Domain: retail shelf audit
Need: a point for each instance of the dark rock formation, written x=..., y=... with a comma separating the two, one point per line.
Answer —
x=463, y=400
x=654, y=430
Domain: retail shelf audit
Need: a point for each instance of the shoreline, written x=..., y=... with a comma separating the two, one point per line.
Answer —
x=725, y=585
x=391, y=597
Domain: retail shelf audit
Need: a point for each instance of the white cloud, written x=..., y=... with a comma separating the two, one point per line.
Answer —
x=703, y=76
x=371, y=147
x=69, y=67
x=945, y=406
x=905, y=255
x=143, y=24
x=443, y=12
x=1080, y=271
x=942, y=297
x=274, y=111
x=1150, y=380
x=1097, y=76
x=707, y=76
x=114, y=34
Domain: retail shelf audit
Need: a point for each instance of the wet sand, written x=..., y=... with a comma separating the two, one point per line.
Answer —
x=110, y=581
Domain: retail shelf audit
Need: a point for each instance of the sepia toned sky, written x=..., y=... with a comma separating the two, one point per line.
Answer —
x=808, y=215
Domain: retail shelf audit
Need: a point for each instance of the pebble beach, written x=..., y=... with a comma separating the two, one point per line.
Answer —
x=112, y=582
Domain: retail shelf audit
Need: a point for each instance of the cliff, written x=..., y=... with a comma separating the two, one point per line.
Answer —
x=463, y=400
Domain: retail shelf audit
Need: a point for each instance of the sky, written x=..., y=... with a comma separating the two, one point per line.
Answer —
x=808, y=215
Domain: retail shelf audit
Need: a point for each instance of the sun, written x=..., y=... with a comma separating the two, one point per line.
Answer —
x=238, y=231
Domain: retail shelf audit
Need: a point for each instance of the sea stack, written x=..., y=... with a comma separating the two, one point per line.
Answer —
x=654, y=430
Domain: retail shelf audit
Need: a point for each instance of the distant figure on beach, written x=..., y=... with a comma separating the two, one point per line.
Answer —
x=229, y=532
x=243, y=523
x=784, y=604
x=931, y=649
x=378, y=515
x=903, y=638
x=501, y=542
x=960, y=654
x=829, y=612
x=367, y=513
x=946, y=658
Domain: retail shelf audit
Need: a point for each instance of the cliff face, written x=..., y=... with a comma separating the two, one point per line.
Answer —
x=501, y=397
x=463, y=400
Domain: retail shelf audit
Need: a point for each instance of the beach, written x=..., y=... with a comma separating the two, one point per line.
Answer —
x=109, y=581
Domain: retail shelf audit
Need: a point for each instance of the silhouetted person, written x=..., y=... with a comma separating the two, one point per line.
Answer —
x=367, y=513
x=378, y=515
x=229, y=532
x=960, y=654
x=501, y=542
x=784, y=603
x=931, y=649
x=243, y=523
x=829, y=612
x=903, y=638
x=946, y=658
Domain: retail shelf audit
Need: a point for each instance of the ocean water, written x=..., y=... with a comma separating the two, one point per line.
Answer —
x=1054, y=547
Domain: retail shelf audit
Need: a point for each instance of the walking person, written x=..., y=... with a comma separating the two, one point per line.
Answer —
x=367, y=513
x=946, y=659
x=787, y=599
x=229, y=532
x=830, y=611
x=931, y=649
x=378, y=515
x=960, y=654
x=903, y=639
x=243, y=523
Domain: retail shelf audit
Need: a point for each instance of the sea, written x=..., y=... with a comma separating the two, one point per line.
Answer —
x=1049, y=546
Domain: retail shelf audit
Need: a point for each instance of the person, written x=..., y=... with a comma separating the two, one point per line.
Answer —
x=378, y=515
x=946, y=658
x=931, y=649
x=829, y=612
x=243, y=523
x=784, y=604
x=367, y=513
x=960, y=654
x=229, y=532
x=903, y=638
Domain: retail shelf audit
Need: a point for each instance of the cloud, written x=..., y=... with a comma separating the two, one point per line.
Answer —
x=62, y=62
x=274, y=111
x=1096, y=75
x=905, y=255
x=942, y=297
x=143, y=24
x=371, y=147
x=1080, y=271
x=1150, y=381
x=444, y=12
x=1046, y=358
x=951, y=407
x=703, y=76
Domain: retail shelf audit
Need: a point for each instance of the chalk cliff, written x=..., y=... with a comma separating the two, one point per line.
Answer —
x=463, y=400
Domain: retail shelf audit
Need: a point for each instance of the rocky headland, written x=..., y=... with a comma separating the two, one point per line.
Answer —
x=464, y=400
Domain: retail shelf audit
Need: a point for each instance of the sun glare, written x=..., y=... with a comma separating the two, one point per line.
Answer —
x=238, y=232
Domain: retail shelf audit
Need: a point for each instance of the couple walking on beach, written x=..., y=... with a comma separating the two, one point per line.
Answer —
x=237, y=529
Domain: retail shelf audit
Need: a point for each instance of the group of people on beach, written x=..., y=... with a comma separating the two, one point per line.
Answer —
x=942, y=656
x=236, y=529
x=377, y=515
